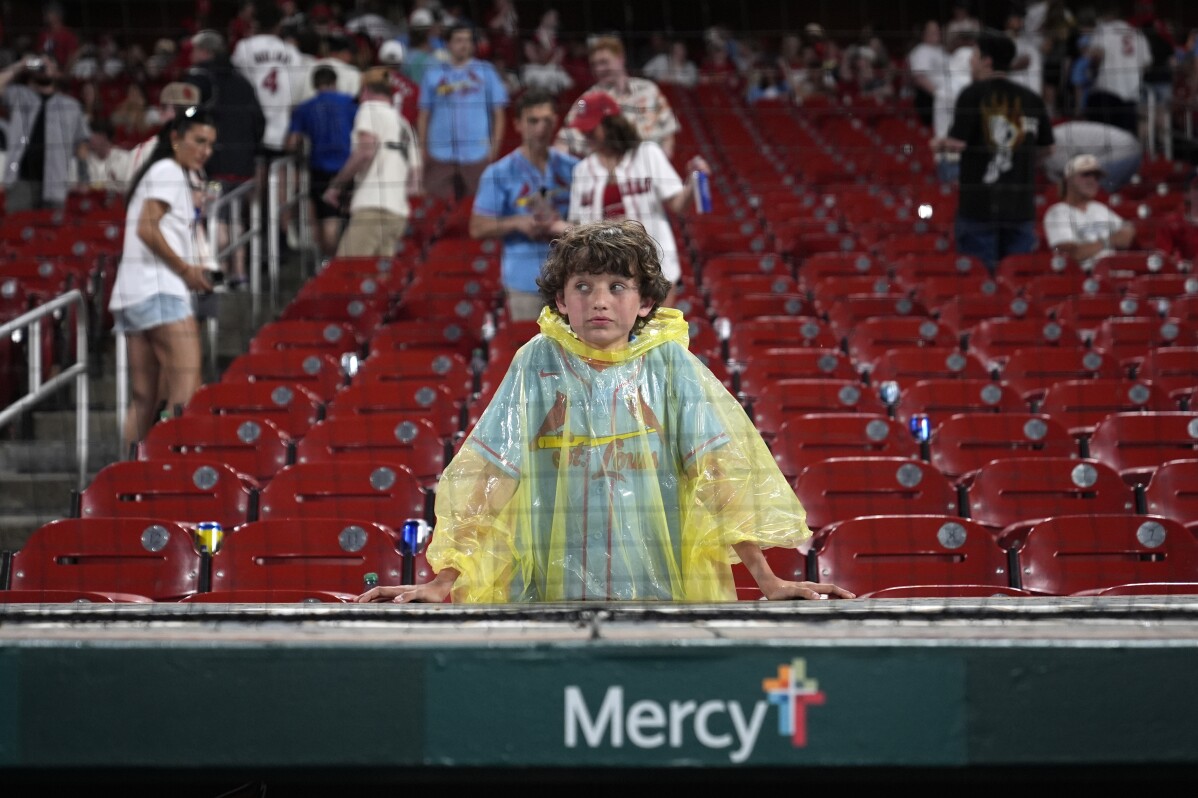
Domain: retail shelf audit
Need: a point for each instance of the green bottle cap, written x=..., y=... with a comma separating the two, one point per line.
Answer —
x=371, y=578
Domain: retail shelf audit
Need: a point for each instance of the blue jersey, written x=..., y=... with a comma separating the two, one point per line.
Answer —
x=460, y=102
x=512, y=187
x=327, y=120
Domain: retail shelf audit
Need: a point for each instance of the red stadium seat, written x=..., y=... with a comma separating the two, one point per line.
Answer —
x=326, y=554
x=71, y=597
x=800, y=363
x=319, y=372
x=748, y=336
x=419, y=397
x=443, y=334
x=450, y=368
x=737, y=307
x=1086, y=312
x=964, y=312
x=941, y=397
x=387, y=493
x=1173, y=491
x=1085, y=554
x=720, y=267
x=784, y=399
x=877, y=552
x=1135, y=444
x=806, y=439
x=849, y=311
x=365, y=312
x=293, y=408
x=1031, y=371
x=1130, y=338
x=1080, y=404
x=964, y=442
x=910, y=364
x=306, y=335
x=847, y=487
x=906, y=592
x=397, y=438
x=255, y=447
x=870, y=339
x=1172, y=369
x=995, y=340
x=150, y=557
x=185, y=491
x=271, y=596
x=1016, y=489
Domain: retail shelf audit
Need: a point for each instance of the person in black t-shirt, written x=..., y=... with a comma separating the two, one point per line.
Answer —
x=1002, y=130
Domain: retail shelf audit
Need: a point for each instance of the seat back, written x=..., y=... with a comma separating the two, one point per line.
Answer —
x=994, y=341
x=906, y=365
x=387, y=493
x=883, y=551
x=1016, y=489
x=795, y=363
x=942, y=397
x=252, y=446
x=1173, y=491
x=184, y=491
x=871, y=338
x=1032, y=370
x=398, y=438
x=422, y=398
x=1135, y=444
x=327, y=554
x=784, y=399
x=1080, y=404
x=292, y=407
x=847, y=487
x=320, y=372
x=1069, y=554
x=306, y=335
x=1174, y=369
x=964, y=442
x=150, y=557
x=809, y=438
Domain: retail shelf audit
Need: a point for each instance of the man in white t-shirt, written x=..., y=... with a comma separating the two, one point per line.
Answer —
x=1081, y=227
x=958, y=74
x=339, y=55
x=107, y=164
x=927, y=63
x=386, y=161
x=1121, y=54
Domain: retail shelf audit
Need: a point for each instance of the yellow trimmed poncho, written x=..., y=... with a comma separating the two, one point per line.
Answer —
x=602, y=476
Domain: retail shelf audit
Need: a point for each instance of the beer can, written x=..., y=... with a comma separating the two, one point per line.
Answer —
x=209, y=535
x=702, y=193
x=413, y=535
x=921, y=428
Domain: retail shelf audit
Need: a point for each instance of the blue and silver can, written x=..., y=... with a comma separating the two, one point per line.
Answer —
x=209, y=535
x=921, y=427
x=414, y=535
x=702, y=193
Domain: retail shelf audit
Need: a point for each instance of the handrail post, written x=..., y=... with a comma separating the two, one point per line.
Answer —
x=122, y=383
x=271, y=233
x=82, y=394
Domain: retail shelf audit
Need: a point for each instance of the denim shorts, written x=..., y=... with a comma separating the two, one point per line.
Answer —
x=153, y=312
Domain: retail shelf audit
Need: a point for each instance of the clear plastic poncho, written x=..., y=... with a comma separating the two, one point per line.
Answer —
x=604, y=476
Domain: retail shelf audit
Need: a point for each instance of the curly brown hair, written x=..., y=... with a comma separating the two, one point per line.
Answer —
x=621, y=247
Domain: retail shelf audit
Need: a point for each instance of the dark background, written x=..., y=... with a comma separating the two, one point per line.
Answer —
x=895, y=20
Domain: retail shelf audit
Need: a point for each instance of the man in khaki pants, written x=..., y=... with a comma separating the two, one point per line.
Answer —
x=385, y=162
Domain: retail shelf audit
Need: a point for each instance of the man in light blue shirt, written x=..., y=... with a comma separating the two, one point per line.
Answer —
x=522, y=198
x=463, y=106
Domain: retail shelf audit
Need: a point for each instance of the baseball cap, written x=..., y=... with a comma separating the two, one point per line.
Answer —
x=1080, y=164
x=591, y=108
x=179, y=93
x=421, y=18
x=391, y=52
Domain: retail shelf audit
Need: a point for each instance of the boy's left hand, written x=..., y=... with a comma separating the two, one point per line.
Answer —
x=784, y=590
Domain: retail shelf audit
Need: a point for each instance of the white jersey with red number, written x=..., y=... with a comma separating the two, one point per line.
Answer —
x=1125, y=56
x=277, y=71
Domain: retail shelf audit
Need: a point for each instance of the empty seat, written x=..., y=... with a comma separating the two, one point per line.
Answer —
x=151, y=557
x=1129, y=338
x=255, y=447
x=1080, y=404
x=1031, y=371
x=847, y=487
x=434, y=402
x=1084, y=554
x=186, y=491
x=327, y=554
x=307, y=335
x=784, y=399
x=748, y=336
x=319, y=372
x=292, y=407
x=71, y=597
x=942, y=397
x=402, y=365
x=1172, y=491
x=271, y=596
x=849, y=311
x=806, y=439
x=870, y=339
x=374, y=491
x=877, y=552
x=443, y=334
x=1173, y=369
x=963, y=313
x=769, y=365
x=907, y=365
x=1016, y=489
x=1135, y=444
x=964, y=442
x=995, y=340
x=400, y=438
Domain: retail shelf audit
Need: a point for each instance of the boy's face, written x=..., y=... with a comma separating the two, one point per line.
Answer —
x=602, y=308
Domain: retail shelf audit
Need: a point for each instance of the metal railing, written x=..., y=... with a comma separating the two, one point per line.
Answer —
x=30, y=325
x=286, y=191
x=232, y=206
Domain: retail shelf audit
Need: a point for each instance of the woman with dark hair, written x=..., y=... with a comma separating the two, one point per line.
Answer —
x=151, y=300
x=627, y=178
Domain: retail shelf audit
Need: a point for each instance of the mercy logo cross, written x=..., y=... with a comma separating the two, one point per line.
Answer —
x=792, y=692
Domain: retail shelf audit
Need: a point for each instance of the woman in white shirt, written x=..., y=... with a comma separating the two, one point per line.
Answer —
x=627, y=178
x=159, y=268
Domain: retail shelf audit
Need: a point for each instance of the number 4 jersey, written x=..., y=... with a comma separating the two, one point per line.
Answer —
x=277, y=71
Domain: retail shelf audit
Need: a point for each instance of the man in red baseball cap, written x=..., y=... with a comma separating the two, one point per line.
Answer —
x=590, y=109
